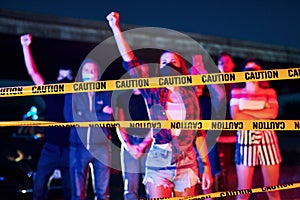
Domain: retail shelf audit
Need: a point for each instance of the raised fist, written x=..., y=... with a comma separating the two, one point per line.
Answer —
x=26, y=39
x=113, y=19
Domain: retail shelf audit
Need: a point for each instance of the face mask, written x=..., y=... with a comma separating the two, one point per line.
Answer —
x=87, y=77
x=170, y=70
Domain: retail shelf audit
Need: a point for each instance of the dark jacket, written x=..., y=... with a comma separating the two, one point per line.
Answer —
x=77, y=109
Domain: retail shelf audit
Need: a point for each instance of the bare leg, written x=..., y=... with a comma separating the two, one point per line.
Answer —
x=244, y=175
x=156, y=191
x=187, y=192
x=271, y=177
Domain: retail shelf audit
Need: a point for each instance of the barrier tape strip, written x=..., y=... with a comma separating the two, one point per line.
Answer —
x=173, y=124
x=237, y=192
x=156, y=82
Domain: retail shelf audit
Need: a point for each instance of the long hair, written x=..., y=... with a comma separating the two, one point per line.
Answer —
x=183, y=70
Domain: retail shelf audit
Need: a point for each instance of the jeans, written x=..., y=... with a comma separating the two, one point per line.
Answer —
x=132, y=170
x=80, y=158
x=52, y=157
x=161, y=172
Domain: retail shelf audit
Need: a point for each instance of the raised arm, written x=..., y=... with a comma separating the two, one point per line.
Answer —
x=123, y=46
x=215, y=89
x=29, y=61
x=131, y=64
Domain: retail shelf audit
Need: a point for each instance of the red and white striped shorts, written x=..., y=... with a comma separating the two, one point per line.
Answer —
x=257, y=148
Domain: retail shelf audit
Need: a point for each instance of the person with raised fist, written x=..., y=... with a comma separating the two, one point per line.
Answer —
x=171, y=166
x=55, y=151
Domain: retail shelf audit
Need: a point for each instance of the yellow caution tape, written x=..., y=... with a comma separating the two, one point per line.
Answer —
x=174, y=124
x=156, y=82
x=237, y=192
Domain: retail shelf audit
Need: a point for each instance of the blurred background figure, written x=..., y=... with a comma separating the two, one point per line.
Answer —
x=256, y=147
x=206, y=110
x=226, y=141
x=55, y=151
x=131, y=106
x=89, y=146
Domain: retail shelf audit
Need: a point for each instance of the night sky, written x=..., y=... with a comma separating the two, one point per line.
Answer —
x=271, y=22
x=274, y=22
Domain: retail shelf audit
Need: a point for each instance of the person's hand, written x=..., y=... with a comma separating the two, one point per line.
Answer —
x=142, y=146
x=26, y=40
x=207, y=180
x=113, y=19
x=134, y=151
x=108, y=110
x=198, y=65
x=139, y=152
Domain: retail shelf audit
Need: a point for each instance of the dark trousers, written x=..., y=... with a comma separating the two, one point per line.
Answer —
x=132, y=171
x=80, y=158
x=52, y=157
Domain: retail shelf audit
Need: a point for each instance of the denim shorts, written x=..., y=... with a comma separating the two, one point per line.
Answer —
x=180, y=175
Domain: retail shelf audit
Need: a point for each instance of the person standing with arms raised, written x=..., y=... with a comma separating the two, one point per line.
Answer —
x=55, y=151
x=171, y=166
